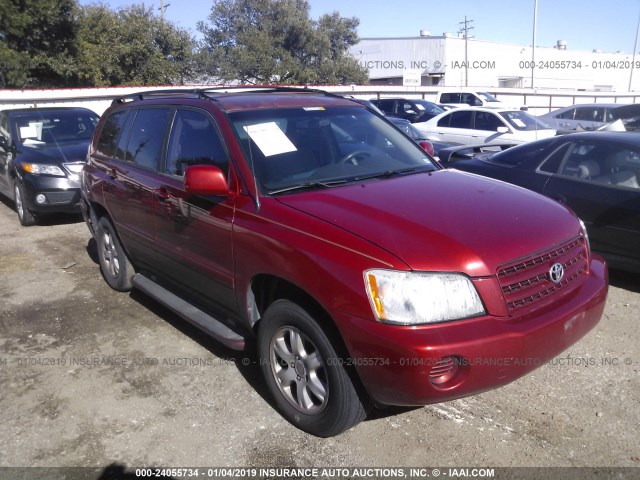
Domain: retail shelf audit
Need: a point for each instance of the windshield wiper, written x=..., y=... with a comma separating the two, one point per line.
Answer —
x=390, y=173
x=309, y=185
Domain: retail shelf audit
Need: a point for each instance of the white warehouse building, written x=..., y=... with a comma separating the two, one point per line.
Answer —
x=452, y=61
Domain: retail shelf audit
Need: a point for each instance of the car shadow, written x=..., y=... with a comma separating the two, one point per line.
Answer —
x=623, y=279
x=246, y=361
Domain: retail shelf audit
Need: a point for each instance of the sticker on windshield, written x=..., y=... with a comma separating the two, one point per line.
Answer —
x=518, y=122
x=270, y=139
x=30, y=131
x=419, y=107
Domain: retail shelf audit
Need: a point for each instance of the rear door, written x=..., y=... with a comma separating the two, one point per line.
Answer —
x=133, y=180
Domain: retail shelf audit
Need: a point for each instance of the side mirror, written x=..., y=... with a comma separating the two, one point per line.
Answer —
x=205, y=180
x=4, y=144
x=503, y=130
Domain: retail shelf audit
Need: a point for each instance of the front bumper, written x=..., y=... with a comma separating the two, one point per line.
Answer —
x=62, y=194
x=401, y=365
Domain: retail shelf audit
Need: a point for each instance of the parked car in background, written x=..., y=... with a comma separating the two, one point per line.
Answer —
x=42, y=152
x=420, y=138
x=597, y=174
x=588, y=116
x=306, y=224
x=471, y=98
x=414, y=110
x=470, y=125
x=428, y=146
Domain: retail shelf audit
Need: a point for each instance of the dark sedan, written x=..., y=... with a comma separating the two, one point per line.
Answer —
x=42, y=152
x=597, y=174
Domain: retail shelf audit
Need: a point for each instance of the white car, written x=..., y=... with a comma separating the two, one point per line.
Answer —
x=472, y=98
x=475, y=125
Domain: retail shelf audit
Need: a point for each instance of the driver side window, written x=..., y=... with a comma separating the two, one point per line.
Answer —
x=194, y=140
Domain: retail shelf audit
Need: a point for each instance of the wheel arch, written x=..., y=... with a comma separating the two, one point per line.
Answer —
x=265, y=289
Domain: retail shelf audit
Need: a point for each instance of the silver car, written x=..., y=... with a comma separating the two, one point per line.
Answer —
x=586, y=116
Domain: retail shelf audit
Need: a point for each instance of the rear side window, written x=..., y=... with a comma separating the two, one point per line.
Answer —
x=110, y=133
x=568, y=115
x=461, y=120
x=147, y=136
x=194, y=140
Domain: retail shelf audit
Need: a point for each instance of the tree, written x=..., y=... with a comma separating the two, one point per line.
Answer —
x=275, y=41
x=132, y=46
x=37, y=43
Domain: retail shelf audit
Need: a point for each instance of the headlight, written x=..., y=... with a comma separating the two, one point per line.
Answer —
x=412, y=298
x=43, y=169
x=586, y=236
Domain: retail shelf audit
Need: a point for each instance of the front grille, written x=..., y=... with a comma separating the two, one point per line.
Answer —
x=526, y=282
x=61, y=198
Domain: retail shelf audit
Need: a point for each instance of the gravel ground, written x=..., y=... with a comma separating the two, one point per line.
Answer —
x=91, y=377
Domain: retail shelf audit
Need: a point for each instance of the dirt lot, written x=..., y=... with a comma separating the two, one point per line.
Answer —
x=91, y=377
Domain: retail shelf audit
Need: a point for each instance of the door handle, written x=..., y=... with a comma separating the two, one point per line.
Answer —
x=162, y=194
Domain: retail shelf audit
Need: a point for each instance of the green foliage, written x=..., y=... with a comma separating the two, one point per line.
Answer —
x=275, y=41
x=58, y=43
x=37, y=43
x=132, y=46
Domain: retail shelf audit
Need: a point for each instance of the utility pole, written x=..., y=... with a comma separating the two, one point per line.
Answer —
x=162, y=8
x=635, y=47
x=533, y=44
x=465, y=30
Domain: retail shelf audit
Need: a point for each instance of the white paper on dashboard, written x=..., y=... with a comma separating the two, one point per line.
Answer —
x=270, y=139
x=30, y=131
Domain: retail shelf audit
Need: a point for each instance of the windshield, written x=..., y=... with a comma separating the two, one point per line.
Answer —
x=523, y=121
x=488, y=97
x=50, y=127
x=321, y=146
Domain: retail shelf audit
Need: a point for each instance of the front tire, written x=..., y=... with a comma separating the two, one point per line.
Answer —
x=305, y=376
x=116, y=267
x=27, y=219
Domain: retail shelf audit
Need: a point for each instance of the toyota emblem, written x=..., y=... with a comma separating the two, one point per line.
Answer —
x=556, y=272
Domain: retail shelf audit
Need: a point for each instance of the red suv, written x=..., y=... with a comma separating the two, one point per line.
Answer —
x=364, y=272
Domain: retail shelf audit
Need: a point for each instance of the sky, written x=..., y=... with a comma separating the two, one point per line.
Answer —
x=583, y=24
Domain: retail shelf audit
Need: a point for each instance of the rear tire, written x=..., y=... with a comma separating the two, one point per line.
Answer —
x=304, y=374
x=116, y=267
x=27, y=219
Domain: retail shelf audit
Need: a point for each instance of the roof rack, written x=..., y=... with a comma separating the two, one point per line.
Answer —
x=203, y=93
x=177, y=92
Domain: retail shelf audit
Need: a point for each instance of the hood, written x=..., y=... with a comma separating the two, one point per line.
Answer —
x=54, y=154
x=445, y=220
